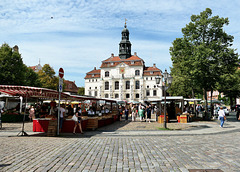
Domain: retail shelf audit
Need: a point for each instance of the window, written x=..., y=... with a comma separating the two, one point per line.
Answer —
x=95, y=93
x=116, y=96
x=127, y=84
x=96, y=80
x=146, y=78
x=89, y=88
x=106, y=74
x=137, y=85
x=116, y=85
x=137, y=95
x=89, y=93
x=147, y=86
x=95, y=87
x=127, y=95
x=132, y=62
x=112, y=63
x=137, y=72
x=147, y=93
x=154, y=92
x=92, y=80
x=106, y=95
x=106, y=85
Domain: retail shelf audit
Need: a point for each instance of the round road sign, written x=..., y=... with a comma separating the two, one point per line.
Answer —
x=61, y=72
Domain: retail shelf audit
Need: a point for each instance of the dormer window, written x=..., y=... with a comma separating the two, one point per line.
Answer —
x=92, y=75
x=112, y=63
x=151, y=72
x=106, y=74
x=132, y=62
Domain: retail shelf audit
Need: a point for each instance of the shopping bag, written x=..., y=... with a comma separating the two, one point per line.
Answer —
x=74, y=118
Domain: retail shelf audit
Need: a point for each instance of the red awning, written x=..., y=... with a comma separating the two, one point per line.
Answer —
x=35, y=92
x=31, y=92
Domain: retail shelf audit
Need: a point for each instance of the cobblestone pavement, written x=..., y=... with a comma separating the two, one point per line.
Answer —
x=107, y=152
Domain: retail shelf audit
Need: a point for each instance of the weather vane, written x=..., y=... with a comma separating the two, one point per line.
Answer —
x=125, y=22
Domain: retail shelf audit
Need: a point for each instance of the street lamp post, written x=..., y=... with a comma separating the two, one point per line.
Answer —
x=167, y=79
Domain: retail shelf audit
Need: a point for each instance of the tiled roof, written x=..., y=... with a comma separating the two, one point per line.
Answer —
x=115, y=60
x=96, y=73
x=151, y=71
x=70, y=86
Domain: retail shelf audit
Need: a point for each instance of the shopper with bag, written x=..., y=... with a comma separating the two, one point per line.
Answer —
x=221, y=116
x=77, y=120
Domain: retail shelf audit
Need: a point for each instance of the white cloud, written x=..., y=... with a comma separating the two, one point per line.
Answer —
x=83, y=33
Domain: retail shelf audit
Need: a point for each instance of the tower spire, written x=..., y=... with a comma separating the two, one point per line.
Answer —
x=125, y=44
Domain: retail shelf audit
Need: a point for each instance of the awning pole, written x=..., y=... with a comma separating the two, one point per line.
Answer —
x=23, y=133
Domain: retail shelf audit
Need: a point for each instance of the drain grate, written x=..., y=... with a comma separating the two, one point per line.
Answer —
x=205, y=170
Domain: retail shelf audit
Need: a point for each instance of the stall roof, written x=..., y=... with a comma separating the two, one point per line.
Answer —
x=168, y=98
x=44, y=93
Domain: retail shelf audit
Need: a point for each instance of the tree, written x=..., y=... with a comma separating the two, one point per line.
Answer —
x=31, y=78
x=47, y=77
x=12, y=69
x=203, y=55
x=81, y=91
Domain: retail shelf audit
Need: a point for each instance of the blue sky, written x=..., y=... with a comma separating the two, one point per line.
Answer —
x=78, y=34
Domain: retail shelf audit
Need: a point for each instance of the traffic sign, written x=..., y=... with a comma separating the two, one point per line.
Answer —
x=61, y=72
x=60, y=85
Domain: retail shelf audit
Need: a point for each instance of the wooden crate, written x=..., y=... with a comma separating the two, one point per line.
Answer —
x=92, y=123
x=52, y=128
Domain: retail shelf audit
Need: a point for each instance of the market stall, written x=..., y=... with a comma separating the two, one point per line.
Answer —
x=93, y=109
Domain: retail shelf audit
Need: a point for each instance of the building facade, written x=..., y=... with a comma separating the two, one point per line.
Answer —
x=124, y=77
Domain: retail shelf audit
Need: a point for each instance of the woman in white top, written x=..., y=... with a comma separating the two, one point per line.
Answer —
x=221, y=115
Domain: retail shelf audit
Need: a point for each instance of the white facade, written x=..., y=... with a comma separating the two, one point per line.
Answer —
x=124, y=77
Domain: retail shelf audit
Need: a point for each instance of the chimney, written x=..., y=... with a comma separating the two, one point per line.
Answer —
x=135, y=53
x=154, y=65
x=112, y=55
x=94, y=68
x=15, y=48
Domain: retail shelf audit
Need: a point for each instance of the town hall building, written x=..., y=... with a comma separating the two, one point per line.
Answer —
x=124, y=77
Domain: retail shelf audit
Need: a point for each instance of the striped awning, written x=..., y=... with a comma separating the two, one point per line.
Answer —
x=31, y=92
x=44, y=93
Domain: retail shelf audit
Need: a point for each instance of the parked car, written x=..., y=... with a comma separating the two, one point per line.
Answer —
x=224, y=108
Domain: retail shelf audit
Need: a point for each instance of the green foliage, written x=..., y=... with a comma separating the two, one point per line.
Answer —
x=203, y=55
x=31, y=78
x=12, y=69
x=81, y=91
x=47, y=77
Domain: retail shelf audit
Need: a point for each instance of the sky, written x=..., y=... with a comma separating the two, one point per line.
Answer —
x=77, y=35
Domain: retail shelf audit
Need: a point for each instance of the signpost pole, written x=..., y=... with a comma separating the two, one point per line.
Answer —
x=60, y=88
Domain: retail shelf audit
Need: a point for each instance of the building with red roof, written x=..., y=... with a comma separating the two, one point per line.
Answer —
x=124, y=77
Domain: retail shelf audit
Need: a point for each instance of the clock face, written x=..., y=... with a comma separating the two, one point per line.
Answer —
x=122, y=70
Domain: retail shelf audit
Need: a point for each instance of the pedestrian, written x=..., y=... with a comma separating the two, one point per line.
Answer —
x=221, y=116
x=148, y=111
x=31, y=113
x=134, y=113
x=62, y=113
x=78, y=122
x=126, y=112
x=140, y=112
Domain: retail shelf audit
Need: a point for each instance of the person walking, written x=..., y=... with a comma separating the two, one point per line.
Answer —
x=148, y=110
x=31, y=113
x=78, y=122
x=140, y=112
x=221, y=116
x=134, y=113
x=126, y=112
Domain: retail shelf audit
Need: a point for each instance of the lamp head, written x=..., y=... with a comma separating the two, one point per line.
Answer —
x=158, y=78
x=165, y=74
